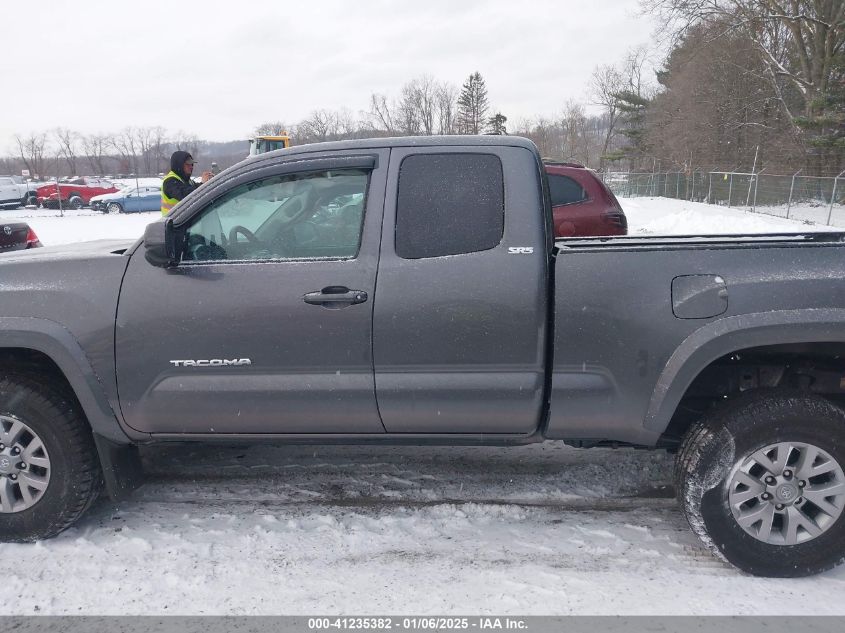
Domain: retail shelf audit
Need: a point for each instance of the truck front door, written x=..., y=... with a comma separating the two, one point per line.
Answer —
x=265, y=326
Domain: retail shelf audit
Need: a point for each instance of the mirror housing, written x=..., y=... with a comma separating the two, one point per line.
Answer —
x=160, y=244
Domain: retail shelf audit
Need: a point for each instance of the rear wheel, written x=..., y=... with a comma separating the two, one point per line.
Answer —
x=761, y=482
x=49, y=472
x=75, y=201
x=114, y=207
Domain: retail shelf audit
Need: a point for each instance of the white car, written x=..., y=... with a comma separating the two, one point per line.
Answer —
x=15, y=192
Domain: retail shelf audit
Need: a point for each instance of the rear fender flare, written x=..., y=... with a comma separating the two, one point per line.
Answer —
x=731, y=334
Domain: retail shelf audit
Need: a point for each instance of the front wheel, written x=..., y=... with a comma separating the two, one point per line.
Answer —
x=49, y=472
x=761, y=482
x=114, y=207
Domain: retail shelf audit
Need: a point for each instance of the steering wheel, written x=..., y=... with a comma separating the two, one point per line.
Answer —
x=249, y=235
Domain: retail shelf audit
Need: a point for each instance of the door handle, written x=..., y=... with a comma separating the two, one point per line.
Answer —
x=335, y=297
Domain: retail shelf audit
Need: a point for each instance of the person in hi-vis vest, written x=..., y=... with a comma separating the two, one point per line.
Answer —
x=177, y=183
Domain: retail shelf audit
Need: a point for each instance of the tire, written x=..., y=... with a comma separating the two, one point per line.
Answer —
x=114, y=207
x=722, y=463
x=68, y=469
x=75, y=202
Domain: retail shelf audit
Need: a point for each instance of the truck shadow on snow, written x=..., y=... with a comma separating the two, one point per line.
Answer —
x=543, y=474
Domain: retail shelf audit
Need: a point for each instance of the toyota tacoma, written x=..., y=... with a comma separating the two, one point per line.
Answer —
x=411, y=291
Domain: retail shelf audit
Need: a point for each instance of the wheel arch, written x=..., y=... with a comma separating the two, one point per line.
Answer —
x=61, y=349
x=40, y=345
x=705, y=346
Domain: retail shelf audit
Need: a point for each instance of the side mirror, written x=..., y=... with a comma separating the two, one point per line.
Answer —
x=160, y=244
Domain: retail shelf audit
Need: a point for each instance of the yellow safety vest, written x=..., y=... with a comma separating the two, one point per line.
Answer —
x=168, y=203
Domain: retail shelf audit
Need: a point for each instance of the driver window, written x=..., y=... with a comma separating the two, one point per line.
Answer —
x=315, y=215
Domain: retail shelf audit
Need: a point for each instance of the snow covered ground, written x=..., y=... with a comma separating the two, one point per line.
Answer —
x=667, y=216
x=540, y=529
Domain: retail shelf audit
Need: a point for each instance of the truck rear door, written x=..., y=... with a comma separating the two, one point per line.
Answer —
x=460, y=314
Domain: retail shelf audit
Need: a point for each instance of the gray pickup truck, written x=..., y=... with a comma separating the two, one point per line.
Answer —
x=410, y=291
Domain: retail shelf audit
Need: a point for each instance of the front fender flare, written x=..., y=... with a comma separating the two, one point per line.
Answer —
x=731, y=334
x=56, y=342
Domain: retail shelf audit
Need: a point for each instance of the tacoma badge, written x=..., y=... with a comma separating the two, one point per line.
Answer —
x=214, y=362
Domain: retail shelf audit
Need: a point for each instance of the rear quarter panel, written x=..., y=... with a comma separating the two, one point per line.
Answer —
x=615, y=330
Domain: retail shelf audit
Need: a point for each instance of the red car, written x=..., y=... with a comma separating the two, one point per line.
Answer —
x=582, y=205
x=75, y=193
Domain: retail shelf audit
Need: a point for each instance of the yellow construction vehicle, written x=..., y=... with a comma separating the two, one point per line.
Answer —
x=265, y=143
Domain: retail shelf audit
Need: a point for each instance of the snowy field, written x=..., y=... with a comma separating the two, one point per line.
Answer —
x=666, y=216
x=541, y=529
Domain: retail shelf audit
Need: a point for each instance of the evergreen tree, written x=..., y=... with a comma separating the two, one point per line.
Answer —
x=632, y=108
x=496, y=124
x=472, y=105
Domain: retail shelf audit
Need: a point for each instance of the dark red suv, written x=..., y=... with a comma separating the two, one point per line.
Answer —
x=582, y=205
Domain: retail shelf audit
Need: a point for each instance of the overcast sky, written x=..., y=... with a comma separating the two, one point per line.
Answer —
x=218, y=69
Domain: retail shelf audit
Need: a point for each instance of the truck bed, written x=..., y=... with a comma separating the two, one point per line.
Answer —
x=638, y=318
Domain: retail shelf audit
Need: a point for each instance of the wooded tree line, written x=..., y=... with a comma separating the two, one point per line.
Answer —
x=747, y=81
x=747, y=84
x=133, y=150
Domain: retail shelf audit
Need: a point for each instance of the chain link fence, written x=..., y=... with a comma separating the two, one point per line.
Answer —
x=813, y=199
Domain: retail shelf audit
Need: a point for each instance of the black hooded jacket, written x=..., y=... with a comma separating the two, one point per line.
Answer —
x=173, y=188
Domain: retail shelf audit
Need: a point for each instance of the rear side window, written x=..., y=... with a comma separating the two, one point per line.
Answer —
x=449, y=204
x=565, y=190
x=6, y=181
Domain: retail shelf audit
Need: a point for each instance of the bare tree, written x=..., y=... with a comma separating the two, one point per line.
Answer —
x=67, y=141
x=605, y=84
x=424, y=107
x=158, y=149
x=271, y=128
x=347, y=125
x=633, y=70
x=407, y=111
x=126, y=144
x=573, y=125
x=145, y=139
x=425, y=96
x=322, y=125
x=381, y=113
x=96, y=147
x=186, y=142
x=32, y=148
x=544, y=133
x=446, y=96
